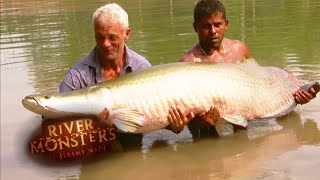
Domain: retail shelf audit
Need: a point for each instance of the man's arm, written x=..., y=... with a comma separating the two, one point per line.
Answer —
x=241, y=49
x=70, y=82
x=247, y=53
x=144, y=66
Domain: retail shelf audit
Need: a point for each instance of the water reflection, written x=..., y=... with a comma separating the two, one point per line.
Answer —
x=234, y=156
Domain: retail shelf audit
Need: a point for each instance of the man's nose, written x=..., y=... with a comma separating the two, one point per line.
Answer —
x=213, y=29
x=106, y=42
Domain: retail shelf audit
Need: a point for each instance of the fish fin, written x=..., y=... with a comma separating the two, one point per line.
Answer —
x=224, y=128
x=237, y=119
x=127, y=120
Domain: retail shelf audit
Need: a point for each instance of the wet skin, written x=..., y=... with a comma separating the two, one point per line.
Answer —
x=217, y=48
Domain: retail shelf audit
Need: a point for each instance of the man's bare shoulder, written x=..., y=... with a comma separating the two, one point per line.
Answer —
x=238, y=47
x=234, y=42
x=187, y=58
x=191, y=55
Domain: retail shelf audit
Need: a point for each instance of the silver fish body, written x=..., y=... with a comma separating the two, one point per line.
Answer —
x=139, y=102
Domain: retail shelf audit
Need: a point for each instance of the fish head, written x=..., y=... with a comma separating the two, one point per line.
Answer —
x=92, y=102
x=43, y=105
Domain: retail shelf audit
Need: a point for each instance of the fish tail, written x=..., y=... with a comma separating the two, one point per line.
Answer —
x=307, y=87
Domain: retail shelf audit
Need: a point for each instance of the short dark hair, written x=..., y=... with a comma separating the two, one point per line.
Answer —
x=206, y=8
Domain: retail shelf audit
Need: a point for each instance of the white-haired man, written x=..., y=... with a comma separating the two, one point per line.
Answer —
x=109, y=59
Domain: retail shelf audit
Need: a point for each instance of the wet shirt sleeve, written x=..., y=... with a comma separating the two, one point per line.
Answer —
x=144, y=65
x=82, y=74
x=136, y=61
x=70, y=82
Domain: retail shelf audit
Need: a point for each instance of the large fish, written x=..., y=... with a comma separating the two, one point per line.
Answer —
x=139, y=102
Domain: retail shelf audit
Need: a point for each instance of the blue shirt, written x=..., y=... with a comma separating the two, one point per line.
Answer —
x=87, y=71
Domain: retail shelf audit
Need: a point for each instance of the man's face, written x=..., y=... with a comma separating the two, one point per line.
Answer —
x=211, y=30
x=110, y=40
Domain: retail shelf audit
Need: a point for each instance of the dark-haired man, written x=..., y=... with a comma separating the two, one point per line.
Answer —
x=210, y=23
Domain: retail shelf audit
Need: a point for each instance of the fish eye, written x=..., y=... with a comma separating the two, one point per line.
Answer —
x=47, y=97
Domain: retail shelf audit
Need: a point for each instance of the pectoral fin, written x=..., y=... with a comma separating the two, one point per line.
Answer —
x=237, y=119
x=224, y=126
x=127, y=120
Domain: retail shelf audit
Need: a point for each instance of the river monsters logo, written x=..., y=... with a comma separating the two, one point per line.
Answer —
x=72, y=139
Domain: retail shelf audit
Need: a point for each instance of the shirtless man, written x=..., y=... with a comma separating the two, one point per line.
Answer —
x=210, y=23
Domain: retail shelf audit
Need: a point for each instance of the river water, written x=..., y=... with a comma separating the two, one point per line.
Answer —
x=40, y=40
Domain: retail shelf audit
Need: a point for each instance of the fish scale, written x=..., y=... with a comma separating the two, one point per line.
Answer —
x=237, y=91
x=241, y=77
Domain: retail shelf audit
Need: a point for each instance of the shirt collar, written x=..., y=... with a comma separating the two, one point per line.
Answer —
x=93, y=60
x=128, y=61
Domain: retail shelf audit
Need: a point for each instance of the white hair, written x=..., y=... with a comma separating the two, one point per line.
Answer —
x=111, y=13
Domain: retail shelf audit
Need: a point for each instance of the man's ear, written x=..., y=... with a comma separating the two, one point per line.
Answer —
x=227, y=22
x=195, y=27
x=127, y=34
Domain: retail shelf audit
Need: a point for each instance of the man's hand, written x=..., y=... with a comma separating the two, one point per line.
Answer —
x=211, y=117
x=103, y=115
x=303, y=97
x=178, y=119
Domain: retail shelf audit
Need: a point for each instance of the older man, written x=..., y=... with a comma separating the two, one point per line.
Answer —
x=109, y=59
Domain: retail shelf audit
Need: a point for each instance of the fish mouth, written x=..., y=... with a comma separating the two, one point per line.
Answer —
x=30, y=102
x=34, y=104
